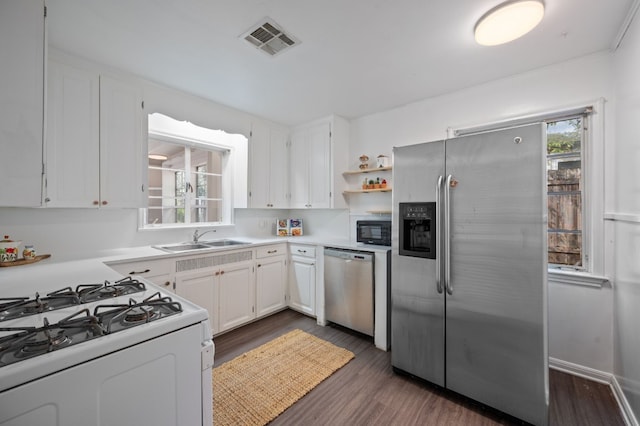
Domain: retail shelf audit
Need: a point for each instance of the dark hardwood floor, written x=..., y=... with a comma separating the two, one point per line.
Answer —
x=367, y=392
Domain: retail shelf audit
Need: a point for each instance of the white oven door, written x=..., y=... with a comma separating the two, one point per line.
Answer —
x=158, y=382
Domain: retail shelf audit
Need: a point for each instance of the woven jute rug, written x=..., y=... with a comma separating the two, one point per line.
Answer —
x=257, y=386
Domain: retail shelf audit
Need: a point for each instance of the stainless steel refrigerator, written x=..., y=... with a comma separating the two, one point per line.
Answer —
x=468, y=265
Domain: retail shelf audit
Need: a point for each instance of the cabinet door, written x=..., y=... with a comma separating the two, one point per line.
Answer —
x=121, y=144
x=236, y=286
x=269, y=164
x=302, y=285
x=72, y=154
x=259, y=196
x=21, y=102
x=299, y=171
x=311, y=167
x=278, y=177
x=270, y=285
x=201, y=289
x=319, y=157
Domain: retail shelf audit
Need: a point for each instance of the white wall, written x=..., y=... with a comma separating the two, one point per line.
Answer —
x=626, y=217
x=580, y=329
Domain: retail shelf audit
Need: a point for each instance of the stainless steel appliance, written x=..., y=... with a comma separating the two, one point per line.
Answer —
x=373, y=232
x=468, y=280
x=348, y=289
x=119, y=352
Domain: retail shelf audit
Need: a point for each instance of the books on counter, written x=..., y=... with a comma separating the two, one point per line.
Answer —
x=289, y=227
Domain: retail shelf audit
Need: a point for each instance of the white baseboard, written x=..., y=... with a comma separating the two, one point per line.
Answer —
x=600, y=377
x=580, y=371
x=627, y=412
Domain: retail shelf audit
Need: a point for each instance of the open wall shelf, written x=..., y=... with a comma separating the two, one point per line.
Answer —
x=371, y=170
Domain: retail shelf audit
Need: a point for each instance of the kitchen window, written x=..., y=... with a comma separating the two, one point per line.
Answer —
x=564, y=192
x=189, y=175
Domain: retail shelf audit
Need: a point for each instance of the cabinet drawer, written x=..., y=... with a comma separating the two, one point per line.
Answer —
x=269, y=251
x=304, y=251
x=143, y=268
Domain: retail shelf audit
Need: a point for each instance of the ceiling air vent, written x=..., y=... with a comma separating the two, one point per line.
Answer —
x=270, y=38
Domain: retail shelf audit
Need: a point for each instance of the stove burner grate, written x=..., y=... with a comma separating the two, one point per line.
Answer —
x=119, y=317
x=139, y=314
x=28, y=342
x=17, y=307
x=94, y=292
x=24, y=306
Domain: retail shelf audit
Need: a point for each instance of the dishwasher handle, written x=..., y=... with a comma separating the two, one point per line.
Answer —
x=348, y=254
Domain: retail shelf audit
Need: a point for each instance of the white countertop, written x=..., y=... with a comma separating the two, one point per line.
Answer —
x=59, y=274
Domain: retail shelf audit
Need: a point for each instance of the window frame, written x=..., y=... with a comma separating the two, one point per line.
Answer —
x=584, y=213
x=173, y=131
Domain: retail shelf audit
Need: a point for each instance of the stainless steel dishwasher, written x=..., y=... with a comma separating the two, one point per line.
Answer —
x=348, y=288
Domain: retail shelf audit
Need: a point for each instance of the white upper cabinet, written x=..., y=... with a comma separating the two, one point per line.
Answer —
x=21, y=102
x=269, y=156
x=94, y=139
x=318, y=154
x=73, y=136
x=121, y=142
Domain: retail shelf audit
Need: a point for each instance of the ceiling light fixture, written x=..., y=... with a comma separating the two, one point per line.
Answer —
x=508, y=22
x=158, y=157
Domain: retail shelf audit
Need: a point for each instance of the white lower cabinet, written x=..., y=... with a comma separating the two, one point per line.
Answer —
x=201, y=289
x=225, y=291
x=271, y=279
x=302, y=279
x=236, y=298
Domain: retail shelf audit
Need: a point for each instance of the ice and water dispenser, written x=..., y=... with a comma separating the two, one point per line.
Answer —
x=418, y=230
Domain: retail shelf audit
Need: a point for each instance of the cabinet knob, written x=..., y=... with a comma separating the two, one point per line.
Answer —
x=95, y=202
x=167, y=283
x=221, y=272
x=217, y=273
x=104, y=203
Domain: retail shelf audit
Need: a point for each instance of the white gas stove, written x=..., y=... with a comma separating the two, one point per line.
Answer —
x=112, y=352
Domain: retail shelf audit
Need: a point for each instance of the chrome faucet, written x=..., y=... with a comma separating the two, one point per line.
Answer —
x=196, y=236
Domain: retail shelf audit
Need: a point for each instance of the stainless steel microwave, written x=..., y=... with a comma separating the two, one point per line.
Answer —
x=375, y=232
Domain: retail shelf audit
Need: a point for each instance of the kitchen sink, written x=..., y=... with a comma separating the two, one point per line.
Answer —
x=180, y=247
x=223, y=243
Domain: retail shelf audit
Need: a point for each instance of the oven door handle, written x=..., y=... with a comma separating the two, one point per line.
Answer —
x=438, y=235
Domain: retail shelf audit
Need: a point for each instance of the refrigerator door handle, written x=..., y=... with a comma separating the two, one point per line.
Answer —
x=438, y=236
x=447, y=235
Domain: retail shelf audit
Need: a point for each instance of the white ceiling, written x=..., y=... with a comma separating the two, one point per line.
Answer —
x=356, y=57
